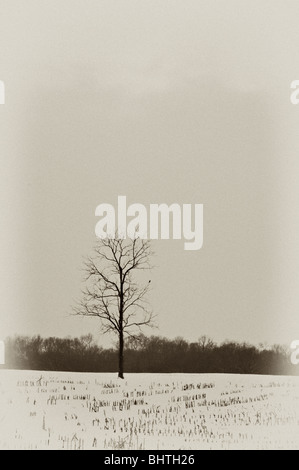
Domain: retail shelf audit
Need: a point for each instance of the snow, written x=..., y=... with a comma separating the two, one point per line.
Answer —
x=51, y=410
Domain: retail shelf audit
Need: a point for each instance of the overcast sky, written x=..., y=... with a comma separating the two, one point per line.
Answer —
x=161, y=101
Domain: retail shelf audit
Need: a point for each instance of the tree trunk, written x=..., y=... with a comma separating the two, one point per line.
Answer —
x=121, y=328
x=121, y=355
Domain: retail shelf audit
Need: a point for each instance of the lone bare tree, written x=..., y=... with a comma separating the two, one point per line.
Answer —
x=112, y=292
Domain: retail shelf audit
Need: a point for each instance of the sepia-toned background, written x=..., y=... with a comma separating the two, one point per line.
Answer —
x=168, y=101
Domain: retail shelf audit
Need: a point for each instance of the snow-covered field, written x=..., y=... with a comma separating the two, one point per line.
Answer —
x=97, y=411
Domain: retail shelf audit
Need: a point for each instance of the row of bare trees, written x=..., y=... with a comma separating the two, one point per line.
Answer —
x=149, y=355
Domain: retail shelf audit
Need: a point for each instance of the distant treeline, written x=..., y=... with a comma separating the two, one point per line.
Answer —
x=146, y=354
